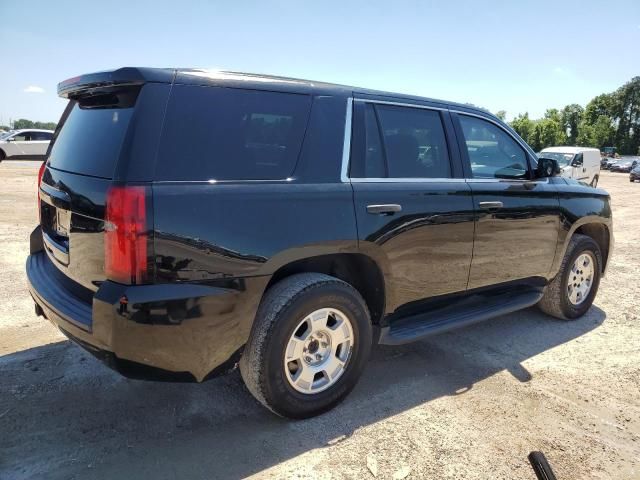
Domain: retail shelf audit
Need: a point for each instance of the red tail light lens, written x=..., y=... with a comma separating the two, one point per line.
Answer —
x=40, y=173
x=125, y=239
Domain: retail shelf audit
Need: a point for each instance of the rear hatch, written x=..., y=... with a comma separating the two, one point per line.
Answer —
x=100, y=151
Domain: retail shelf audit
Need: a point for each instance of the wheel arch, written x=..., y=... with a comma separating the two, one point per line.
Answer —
x=594, y=227
x=357, y=269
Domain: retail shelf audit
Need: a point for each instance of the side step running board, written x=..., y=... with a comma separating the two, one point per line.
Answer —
x=467, y=312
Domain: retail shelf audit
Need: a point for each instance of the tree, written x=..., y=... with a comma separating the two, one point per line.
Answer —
x=23, y=123
x=523, y=126
x=501, y=114
x=570, y=118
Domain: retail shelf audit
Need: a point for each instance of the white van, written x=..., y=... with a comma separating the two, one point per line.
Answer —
x=581, y=163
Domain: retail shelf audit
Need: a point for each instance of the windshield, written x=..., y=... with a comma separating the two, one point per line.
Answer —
x=563, y=159
x=4, y=135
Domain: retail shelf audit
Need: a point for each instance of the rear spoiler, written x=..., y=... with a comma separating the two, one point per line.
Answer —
x=129, y=76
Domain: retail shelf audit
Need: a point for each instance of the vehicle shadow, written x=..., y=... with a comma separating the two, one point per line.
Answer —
x=64, y=415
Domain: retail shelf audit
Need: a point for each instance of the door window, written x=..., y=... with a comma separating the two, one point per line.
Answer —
x=403, y=142
x=578, y=161
x=493, y=153
x=41, y=136
x=22, y=137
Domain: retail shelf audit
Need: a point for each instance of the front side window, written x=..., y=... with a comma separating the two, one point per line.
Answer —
x=214, y=133
x=22, y=137
x=493, y=153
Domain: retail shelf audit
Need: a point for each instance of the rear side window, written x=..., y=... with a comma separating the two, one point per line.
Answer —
x=41, y=136
x=90, y=139
x=402, y=142
x=414, y=142
x=215, y=133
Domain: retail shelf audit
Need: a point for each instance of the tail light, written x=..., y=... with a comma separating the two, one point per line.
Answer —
x=126, y=234
x=40, y=173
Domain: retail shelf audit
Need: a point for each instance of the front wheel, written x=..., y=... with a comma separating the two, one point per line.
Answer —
x=309, y=344
x=571, y=293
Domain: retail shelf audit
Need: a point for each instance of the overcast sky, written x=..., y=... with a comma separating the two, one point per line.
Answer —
x=502, y=55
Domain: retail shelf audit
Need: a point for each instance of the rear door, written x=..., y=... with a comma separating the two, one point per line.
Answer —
x=414, y=210
x=517, y=216
x=39, y=143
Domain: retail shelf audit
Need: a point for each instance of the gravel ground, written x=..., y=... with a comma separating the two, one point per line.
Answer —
x=468, y=404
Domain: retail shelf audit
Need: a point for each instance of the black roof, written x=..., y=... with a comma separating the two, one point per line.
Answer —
x=193, y=76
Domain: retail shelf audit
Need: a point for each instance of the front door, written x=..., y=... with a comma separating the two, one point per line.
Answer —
x=413, y=208
x=517, y=217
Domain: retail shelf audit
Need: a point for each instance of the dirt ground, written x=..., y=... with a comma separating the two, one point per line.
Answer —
x=467, y=404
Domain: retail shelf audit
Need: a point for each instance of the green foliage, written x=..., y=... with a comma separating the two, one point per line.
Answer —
x=502, y=115
x=24, y=123
x=610, y=119
x=571, y=116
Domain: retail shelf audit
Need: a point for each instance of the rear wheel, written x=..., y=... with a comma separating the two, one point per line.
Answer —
x=594, y=182
x=310, y=343
x=571, y=293
x=2, y=155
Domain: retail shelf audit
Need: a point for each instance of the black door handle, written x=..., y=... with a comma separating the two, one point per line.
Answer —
x=490, y=205
x=387, y=209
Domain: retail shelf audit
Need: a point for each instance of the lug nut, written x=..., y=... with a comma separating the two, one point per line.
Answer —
x=318, y=357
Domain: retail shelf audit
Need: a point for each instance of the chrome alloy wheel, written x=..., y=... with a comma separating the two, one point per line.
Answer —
x=318, y=351
x=580, y=278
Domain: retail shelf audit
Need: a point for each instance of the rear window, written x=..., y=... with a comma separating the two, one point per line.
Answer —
x=90, y=140
x=216, y=133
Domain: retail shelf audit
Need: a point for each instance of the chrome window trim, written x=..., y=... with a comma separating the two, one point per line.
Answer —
x=514, y=180
x=407, y=180
x=346, y=144
x=346, y=149
x=400, y=104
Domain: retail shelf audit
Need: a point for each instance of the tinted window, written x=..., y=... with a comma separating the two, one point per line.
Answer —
x=414, y=142
x=214, y=133
x=493, y=153
x=374, y=166
x=22, y=137
x=41, y=136
x=90, y=140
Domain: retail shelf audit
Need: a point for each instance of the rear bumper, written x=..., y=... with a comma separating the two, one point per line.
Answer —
x=176, y=332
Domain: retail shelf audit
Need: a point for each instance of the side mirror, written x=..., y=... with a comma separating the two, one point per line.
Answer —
x=10, y=139
x=547, y=167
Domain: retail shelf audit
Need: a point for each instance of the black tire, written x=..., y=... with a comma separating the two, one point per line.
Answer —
x=2, y=155
x=555, y=301
x=281, y=310
x=594, y=182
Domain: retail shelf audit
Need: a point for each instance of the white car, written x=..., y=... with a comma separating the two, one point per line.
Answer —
x=581, y=163
x=26, y=143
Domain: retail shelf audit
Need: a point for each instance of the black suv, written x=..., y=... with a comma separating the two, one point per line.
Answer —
x=191, y=220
